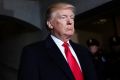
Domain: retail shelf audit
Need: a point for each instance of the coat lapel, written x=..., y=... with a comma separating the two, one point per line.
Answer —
x=56, y=55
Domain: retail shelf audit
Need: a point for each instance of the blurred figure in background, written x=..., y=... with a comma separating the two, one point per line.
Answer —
x=114, y=58
x=98, y=57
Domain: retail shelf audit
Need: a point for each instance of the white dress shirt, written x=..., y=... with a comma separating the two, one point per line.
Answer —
x=59, y=43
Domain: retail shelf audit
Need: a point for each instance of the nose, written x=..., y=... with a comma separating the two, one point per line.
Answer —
x=69, y=21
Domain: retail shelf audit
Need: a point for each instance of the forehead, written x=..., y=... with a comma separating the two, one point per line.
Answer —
x=62, y=12
x=58, y=6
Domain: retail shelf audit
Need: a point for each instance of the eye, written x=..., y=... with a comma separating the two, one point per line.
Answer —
x=72, y=17
x=62, y=17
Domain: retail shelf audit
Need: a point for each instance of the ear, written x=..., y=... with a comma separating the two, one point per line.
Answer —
x=49, y=25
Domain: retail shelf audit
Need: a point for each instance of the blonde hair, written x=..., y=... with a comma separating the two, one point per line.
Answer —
x=58, y=6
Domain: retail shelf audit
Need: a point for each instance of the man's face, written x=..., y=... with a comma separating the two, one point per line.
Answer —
x=62, y=23
x=93, y=49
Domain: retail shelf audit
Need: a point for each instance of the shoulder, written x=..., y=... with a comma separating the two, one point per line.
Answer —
x=78, y=46
x=47, y=42
x=32, y=51
x=35, y=45
x=81, y=49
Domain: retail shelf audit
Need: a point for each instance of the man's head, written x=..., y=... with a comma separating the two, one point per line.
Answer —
x=115, y=44
x=60, y=20
x=93, y=45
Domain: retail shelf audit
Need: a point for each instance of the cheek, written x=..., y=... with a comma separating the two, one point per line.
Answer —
x=62, y=24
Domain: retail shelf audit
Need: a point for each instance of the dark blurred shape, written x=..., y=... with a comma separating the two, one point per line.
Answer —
x=114, y=58
x=99, y=58
x=92, y=41
x=115, y=40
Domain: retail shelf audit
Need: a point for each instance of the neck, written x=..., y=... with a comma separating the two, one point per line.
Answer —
x=63, y=38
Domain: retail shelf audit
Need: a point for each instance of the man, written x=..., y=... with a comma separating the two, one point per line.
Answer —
x=47, y=60
x=98, y=57
x=114, y=58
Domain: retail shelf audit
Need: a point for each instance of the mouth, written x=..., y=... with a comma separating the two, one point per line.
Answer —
x=70, y=30
x=69, y=26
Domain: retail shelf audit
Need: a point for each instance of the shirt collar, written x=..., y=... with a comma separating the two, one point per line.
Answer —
x=58, y=41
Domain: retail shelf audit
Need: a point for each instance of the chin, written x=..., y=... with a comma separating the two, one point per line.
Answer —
x=69, y=33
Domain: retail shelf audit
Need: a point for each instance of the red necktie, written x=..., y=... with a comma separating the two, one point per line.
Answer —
x=72, y=63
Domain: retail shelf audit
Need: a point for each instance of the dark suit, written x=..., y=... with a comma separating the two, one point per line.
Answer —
x=44, y=61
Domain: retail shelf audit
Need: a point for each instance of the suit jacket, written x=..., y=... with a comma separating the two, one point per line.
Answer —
x=44, y=61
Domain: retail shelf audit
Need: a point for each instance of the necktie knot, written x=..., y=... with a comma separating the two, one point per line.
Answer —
x=66, y=48
x=65, y=44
